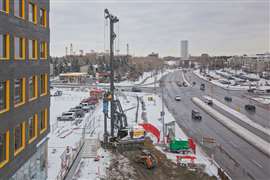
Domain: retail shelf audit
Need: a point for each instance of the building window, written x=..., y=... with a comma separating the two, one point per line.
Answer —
x=19, y=91
x=4, y=96
x=32, y=15
x=19, y=47
x=4, y=46
x=19, y=8
x=43, y=120
x=43, y=17
x=4, y=6
x=4, y=148
x=32, y=128
x=19, y=138
x=32, y=49
x=33, y=91
x=43, y=50
x=43, y=84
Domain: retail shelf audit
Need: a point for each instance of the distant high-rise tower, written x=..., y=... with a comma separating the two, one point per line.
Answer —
x=184, y=49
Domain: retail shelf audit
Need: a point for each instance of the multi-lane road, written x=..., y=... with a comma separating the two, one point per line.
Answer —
x=240, y=159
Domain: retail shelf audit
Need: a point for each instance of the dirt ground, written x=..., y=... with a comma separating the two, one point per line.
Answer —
x=124, y=167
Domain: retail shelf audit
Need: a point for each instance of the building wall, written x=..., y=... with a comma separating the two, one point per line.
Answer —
x=184, y=50
x=11, y=69
x=84, y=69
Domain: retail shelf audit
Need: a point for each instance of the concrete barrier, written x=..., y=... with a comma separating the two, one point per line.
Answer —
x=248, y=136
x=240, y=116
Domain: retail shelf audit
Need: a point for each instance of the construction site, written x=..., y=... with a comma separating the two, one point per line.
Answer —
x=124, y=135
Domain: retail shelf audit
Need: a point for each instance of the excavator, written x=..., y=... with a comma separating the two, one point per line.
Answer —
x=147, y=159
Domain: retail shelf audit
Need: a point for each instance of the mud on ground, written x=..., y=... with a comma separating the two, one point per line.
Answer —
x=124, y=167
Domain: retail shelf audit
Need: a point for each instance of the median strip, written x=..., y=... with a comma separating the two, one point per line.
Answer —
x=184, y=78
x=248, y=136
x=240, y=116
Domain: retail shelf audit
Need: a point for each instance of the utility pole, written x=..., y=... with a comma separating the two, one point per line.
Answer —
x=113, y=19
x=163, y=114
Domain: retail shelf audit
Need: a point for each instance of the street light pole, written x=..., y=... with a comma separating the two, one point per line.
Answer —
x=113, y=19
x=163, y=114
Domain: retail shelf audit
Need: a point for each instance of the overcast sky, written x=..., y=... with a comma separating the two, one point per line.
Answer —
x=217, y=27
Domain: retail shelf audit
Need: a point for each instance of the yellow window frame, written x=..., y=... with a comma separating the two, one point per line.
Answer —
x=45, y=84
x=44, y=21
x=35, y=128
x=45, y=120
x=35, y=49
x=7, y=97
x=23, y=93
x=34, y=12
x=6, y=10
x=23, y=10
x=3, y=163
x=35, y=81
x=23, y=49
x=7, y=43
x=16, y=152
x=45, y=47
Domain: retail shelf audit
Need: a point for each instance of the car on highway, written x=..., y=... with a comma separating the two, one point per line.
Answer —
x=251, y=90
x=177, y=98
x=185, y=84
x=228, y=98
x=250, y=107
x=195, y=114
x=208, y=101
x=136, y=89
x=202, y=87
x=67, y=116
x=179, y=84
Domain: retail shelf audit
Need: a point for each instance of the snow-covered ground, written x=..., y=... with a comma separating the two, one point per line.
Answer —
x=141, y=79
x=90, y=169
x=217, y=78
x=153, y=81
x=262, y=99
x=148, y=79
x=63, y=134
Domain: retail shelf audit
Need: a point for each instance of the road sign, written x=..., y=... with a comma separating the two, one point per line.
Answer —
x=105, y=106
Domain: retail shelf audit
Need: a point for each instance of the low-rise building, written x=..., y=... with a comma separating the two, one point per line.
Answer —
x=252, y=64
x=73, y=77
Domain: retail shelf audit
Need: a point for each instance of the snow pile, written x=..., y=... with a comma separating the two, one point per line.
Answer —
x=264, y=100
x=63, y=134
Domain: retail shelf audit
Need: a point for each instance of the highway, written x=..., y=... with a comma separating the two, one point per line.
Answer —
x=261, y=116
x=239, y=158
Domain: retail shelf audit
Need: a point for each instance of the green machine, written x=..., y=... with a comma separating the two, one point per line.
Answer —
x=178, y=145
